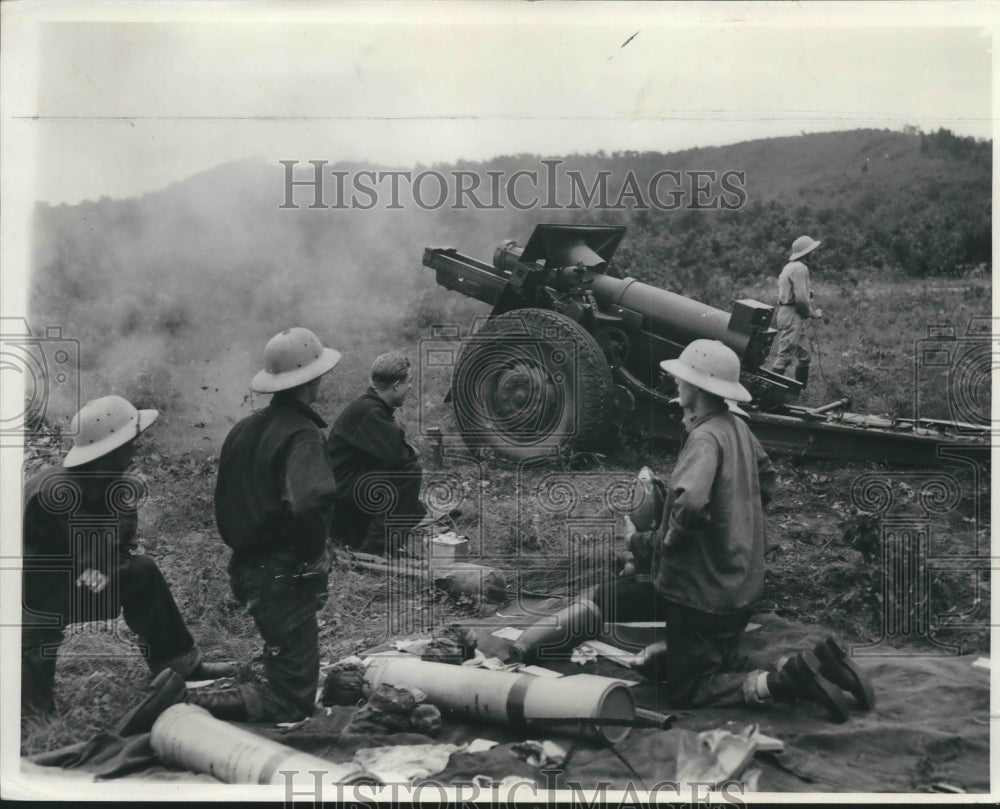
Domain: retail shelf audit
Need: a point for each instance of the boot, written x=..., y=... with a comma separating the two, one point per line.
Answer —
x=839, y=669
x=226, y=704
x=800, y=678
x=207, y=670
x=165, y=690
x=802, y=374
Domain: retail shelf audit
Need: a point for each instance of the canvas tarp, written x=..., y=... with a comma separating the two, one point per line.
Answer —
x=930, y=726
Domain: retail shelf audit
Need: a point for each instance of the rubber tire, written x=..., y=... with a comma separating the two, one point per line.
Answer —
x=578, y=388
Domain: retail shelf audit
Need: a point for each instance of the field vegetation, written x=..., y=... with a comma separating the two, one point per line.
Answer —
x=173, y=296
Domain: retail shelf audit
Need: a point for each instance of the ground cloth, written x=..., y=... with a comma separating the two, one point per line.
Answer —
x=930, y=726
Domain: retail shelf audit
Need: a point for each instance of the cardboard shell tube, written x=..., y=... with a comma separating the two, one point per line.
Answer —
x=189, y=736
x=580, y=620
x=509, y=698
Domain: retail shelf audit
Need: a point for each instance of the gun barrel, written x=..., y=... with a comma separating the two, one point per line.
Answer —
x=667, y=314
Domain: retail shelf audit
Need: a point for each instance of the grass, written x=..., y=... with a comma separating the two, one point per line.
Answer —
x=824, y=564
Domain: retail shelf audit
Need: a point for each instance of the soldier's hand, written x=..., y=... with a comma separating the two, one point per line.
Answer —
x=628, y=569
x=93, y=579
x=629, y=528
x=818, y=313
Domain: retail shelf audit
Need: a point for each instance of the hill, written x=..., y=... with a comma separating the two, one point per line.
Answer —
x=173, y=294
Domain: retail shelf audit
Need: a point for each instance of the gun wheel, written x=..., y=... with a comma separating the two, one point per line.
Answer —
x=531, y=384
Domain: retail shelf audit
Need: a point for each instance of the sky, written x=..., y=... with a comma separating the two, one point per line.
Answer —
x=122, y=106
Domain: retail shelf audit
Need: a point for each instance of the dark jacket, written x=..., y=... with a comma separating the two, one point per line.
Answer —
x=366, y=438
x=100, y=508
x=708, y=552
x=275, y=487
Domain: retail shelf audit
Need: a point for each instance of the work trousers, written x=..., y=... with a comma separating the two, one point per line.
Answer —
x=793, y=345
x=629, y=598
x=283, y=604
x=53, y=601
x=378, y=513
x=702, y=666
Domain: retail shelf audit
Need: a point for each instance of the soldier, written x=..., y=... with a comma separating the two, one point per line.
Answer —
x=707, y=556
x=272, y=504
x=81, y=519
x=794, y=308
x=369, y=453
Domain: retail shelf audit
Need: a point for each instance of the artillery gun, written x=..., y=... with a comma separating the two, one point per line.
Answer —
x=571, y=349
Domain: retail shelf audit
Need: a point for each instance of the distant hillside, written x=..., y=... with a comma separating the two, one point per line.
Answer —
x=160, y=288
x=880, y=201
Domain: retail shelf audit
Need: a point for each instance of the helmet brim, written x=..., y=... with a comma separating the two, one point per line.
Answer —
x=734, y=408
x=266, y=382
x=710, y=384
x=78, y=456
x=801, y=253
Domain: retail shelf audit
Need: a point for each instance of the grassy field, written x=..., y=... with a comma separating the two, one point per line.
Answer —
x=825, y=563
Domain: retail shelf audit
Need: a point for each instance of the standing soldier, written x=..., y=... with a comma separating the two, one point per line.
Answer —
x=707, y=556
x=272, y=503
x=794, y=308
x=81, y=520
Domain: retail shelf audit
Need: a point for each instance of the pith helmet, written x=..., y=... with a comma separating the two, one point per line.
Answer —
x=711, y=366
x=803, y=245
x=103, y=425
x=292, y=358
x=734, y=408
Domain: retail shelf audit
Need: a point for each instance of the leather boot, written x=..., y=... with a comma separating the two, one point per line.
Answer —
x=800, y=678
x=166, y=689
x=802, y=374
x=226, y=704
x=839, y=669
x=208, y=670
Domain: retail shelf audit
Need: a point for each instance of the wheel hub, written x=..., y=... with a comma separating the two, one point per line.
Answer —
x=521, y=399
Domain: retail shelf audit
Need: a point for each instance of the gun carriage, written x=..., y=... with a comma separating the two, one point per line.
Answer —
x=570, y=349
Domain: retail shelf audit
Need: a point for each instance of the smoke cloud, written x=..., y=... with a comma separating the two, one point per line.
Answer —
x=174, y=294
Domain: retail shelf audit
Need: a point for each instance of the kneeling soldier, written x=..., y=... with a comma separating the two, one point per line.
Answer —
x=272, y=504
x=62, y=509
x=707, y=556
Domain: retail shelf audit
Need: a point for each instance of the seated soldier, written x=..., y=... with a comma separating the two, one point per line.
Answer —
x=377, y=470
x=79, y=536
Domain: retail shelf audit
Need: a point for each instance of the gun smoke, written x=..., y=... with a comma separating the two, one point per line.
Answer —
x=173, y=295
